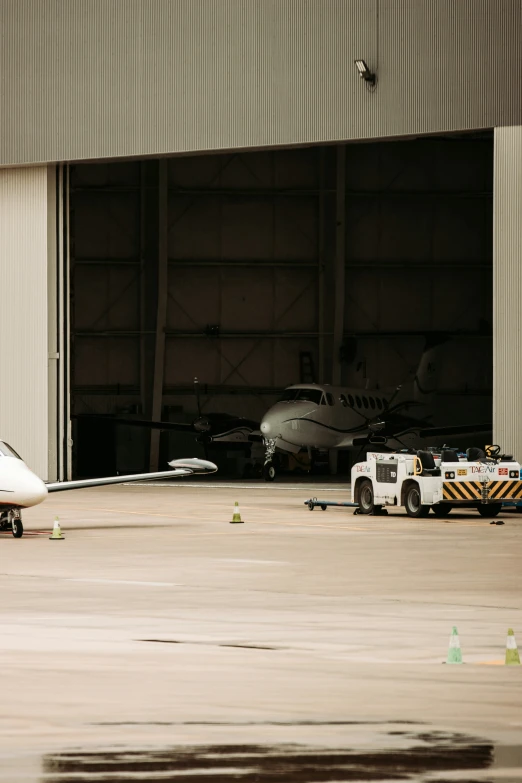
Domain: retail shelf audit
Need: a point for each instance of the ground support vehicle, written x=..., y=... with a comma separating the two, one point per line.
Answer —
x=422, y=481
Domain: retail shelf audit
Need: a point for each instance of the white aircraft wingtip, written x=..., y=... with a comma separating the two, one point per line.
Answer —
x=194, y=464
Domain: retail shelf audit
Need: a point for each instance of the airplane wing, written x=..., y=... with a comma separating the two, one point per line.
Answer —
x=456, y=429
x=180, y=467
x=149, y=424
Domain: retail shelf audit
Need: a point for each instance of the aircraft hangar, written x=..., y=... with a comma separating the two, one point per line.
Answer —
x=258, y=193
x=210, y=190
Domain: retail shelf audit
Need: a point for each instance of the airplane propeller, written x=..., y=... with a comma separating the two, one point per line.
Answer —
x=376, y=424
x=205, y=427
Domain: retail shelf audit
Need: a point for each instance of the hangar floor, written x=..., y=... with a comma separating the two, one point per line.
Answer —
x=289, y=648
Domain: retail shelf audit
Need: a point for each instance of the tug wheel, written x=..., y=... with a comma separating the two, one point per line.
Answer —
x=489, y=511
x=441, y=509
x=366, y=499
x=412, y=502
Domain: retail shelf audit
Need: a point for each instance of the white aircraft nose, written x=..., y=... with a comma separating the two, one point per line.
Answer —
x=265, y=427
x=30, y=490
x=34, y=491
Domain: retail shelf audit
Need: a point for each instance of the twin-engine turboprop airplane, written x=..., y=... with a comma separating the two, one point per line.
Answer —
x=21, y=488
x=330, y=417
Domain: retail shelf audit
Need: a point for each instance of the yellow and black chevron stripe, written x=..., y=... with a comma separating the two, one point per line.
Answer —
x=462, y=490
x=502, y=490
x=472, y=490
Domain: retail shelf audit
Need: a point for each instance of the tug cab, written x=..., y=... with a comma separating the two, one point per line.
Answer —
x=437, y=480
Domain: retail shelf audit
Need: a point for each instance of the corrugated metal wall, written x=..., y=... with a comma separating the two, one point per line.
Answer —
x=507, y=307
x=23, y=315
x=109, y=79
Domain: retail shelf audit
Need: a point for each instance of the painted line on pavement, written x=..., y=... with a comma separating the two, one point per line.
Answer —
x=126, y=582
x=206, y=519
x=344, y=488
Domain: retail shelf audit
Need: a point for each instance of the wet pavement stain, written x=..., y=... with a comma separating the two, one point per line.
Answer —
x=426, y=754
x=212, y=644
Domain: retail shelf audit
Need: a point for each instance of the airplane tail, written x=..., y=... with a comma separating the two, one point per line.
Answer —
x=426, y=377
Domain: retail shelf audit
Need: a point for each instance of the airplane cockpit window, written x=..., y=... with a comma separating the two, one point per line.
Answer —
x=309, y=395
x=302, y=395
x=365, y=402
x=329, y=398
x=323, y=400
x=358, y=401
x=343, y=400
x=351, y=401
x=372, y=403
x=379, y=403
x=288, y=395
x=7, y=451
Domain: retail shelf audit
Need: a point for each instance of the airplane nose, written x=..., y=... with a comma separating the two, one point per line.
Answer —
x=265, y=427
x=35, y=491
x=30, y=489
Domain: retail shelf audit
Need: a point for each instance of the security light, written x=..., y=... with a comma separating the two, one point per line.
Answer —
x=364, y=72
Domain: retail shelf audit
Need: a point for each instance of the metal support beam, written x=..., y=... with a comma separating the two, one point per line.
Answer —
x=161, y=314
x=320, y=268
x=54, y=269
x=354, y=263
x=264, y=193
x=339, y=264
x=143, y=299
x=338, y=278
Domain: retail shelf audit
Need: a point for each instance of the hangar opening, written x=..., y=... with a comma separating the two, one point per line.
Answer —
x=225, y=268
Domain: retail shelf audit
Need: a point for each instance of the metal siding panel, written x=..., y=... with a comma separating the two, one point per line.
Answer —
x=107, y=79
x=23, y=317
x=507, y=290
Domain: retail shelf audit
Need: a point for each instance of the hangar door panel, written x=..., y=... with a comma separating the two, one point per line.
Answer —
x=28, y=347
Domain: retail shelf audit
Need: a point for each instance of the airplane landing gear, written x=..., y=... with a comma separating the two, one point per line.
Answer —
x=17, y=527
x=12, y=519
x=269, y=469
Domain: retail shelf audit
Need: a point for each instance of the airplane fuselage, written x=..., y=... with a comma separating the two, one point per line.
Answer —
x=324, y=417
x=19, y=486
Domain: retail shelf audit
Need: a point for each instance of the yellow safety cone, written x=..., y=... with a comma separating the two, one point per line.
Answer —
x=454, y=651
x=512, y=656
x=57, y=532
x=236, y=516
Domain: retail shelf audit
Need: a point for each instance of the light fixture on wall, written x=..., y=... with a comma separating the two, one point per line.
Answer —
x=365, y=73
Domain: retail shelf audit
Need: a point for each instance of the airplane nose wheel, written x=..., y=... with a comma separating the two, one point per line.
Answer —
x=269, y=471
x=16, y=524
x=18, y=528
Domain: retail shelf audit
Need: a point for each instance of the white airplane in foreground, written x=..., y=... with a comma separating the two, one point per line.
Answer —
x=21, y=488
